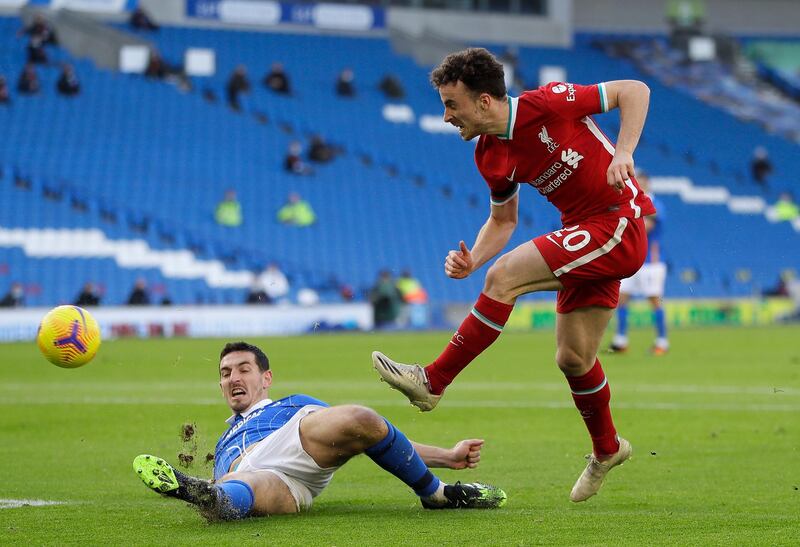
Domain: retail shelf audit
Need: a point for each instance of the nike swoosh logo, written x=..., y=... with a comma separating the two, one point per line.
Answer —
x=511, y=178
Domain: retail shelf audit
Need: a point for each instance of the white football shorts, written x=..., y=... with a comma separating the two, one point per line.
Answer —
x=283, y=454
x=648, y=281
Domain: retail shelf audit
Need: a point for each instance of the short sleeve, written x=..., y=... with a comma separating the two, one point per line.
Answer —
x=574, y=101
x=501, y=196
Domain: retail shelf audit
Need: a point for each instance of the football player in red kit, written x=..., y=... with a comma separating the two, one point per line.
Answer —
x=546, y=139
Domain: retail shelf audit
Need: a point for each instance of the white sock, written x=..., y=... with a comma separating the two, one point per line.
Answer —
x=438, y=496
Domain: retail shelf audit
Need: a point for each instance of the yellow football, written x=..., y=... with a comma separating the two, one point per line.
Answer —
x=68, y=336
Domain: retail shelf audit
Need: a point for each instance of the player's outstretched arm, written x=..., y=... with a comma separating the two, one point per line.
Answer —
x=632, y=97
x=464, y=455
x=492, y=238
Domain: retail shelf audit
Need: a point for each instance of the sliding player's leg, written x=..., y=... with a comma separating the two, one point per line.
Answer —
x=334, y=435
x=229, y=500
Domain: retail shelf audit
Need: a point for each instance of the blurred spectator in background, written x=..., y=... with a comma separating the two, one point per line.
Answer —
x=293, y=162
x=141, y=20
x=786, y=208
x=68, y=84
x=411, y=289
x=761, y=167
x=5, y=96
x=238, y=83
x=415, y=312
x=345, y=83
x=277, y=80
x=156, y=68
x=307, y=297
x=28, y=83
x=139, y=295
x=297, y=212
x=391, y=87
x=686, y=19
x=274, y=282
x=386, y=300
x=257, y=294
x=88, y=296
x=320, y=151
x=14, y=298
x=229, y=210
x=781, y=288
x=40, y=28
x=36, y=52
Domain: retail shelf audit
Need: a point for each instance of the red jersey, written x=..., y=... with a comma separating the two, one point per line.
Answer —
x=553, y=144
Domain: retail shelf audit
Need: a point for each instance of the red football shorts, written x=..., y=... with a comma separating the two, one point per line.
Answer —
x=591, y=257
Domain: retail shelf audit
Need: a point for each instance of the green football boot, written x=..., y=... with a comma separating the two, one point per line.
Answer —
x=469, y=496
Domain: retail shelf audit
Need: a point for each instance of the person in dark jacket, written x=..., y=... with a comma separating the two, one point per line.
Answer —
x=238, y=83
x=277, y=80
x=68, y=84
x=88, y=296
x=28, y=83
x=139, y=295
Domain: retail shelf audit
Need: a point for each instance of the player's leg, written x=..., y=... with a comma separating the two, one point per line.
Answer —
x=656, y=279
x=578, y=336
x=661, y=345
x=229, y=500
x=520, y=271
x=271, y=496
x=619, y=344
x=334, y=435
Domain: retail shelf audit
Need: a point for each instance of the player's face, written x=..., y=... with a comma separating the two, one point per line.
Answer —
x=242, y=382
x=463, y=110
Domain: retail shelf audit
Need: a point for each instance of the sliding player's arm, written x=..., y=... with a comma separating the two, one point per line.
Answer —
x=465, y=454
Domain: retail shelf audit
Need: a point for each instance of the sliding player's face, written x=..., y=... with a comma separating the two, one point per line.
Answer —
x=243, y=383
x=463, y=109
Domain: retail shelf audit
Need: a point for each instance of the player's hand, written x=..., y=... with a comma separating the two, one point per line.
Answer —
x=458, y=264
x=620, y=170
x=466, y=454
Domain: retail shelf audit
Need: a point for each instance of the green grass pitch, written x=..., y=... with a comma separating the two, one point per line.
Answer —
x=715, y=427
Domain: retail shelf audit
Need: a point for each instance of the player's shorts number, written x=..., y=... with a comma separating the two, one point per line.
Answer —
x=575, y=240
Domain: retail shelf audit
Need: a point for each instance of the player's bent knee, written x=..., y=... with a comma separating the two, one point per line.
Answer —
x=365, y=422
x=495, y=285
x=571, y=363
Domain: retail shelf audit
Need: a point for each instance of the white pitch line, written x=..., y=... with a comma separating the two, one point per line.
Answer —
x=723, y=407
x=14, y=504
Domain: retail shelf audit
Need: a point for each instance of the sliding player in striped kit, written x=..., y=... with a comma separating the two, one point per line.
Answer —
x=546, y=139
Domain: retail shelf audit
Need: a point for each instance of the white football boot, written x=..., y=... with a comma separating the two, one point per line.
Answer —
x=410, y=380
x=592, y=477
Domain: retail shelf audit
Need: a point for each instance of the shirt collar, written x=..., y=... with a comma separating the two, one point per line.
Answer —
x=260, y=404
x=512, y=118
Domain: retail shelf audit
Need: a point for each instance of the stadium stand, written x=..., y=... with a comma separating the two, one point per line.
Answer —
x=114, y=164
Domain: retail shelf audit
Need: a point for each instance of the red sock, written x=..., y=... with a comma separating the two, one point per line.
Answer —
x=592, y=395
x=478, y=331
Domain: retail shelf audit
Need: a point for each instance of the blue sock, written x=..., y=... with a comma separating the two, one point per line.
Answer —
x=236, y=499
x=660, y=322
x=396, y=455
x=622, y=320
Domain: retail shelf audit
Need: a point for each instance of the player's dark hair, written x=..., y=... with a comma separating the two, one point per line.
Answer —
x=476, y=67
x=261, y=358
